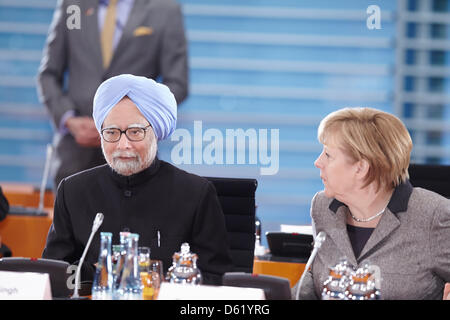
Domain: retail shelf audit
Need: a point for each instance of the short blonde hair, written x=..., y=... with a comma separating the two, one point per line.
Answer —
x=378, y=137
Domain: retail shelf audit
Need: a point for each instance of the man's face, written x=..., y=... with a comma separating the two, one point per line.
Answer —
x=124, y=156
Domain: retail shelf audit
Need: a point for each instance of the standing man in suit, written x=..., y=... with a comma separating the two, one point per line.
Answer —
x=140, y=37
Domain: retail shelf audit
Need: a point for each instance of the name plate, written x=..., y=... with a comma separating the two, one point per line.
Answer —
x=24, y=286
x=174, y=291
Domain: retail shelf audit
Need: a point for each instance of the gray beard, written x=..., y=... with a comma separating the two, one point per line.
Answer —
x=128, y=168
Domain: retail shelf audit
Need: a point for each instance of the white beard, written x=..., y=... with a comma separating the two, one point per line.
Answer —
x=130, y=167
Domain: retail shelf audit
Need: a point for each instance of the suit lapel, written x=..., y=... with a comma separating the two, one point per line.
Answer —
x=89, y=12
x=388, y=223
x=339, y=235
x=137, y=14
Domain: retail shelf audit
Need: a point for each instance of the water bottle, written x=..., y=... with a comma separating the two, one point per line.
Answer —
x=121, y=259
x=130, y=287
x=103, y=279
x=260, y=250
x=118, y=258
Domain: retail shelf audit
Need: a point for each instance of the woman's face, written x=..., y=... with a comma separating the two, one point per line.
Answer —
x=337, y=171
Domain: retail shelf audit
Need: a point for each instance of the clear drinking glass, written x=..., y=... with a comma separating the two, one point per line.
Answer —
x=145, y=272
x=156, y=269
x=144, y=258
x=130, y=287
x=102, y=286
x=116, y=256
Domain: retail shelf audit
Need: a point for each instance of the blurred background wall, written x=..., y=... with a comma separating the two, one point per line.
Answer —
x=262, y=64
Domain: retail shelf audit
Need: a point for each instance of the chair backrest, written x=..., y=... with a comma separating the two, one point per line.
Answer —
x=432, y=177
x=275, y=288
x=237, y=197
x=57, y=270
x=5, y=251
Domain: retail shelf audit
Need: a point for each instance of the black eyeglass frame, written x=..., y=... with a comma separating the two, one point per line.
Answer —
x=125, y=131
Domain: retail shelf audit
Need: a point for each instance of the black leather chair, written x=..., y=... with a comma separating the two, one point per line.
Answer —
x=5, y=251
x=57, y=270
x=237, y=197
x=432, y=177
x=275, y=288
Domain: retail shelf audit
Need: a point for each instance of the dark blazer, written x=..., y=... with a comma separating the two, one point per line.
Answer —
x=183, y=207
x=4, y=208
x=4, y=205
x=410, y=245
x=152, y=44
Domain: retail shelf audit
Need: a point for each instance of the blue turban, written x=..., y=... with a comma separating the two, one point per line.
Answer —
x=154, y=100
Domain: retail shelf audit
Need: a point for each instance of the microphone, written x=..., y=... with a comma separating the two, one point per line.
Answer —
x=97, y=223
x=318, y=241
x=45, y=177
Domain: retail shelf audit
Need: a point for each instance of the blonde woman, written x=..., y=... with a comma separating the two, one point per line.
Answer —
x=371, y=213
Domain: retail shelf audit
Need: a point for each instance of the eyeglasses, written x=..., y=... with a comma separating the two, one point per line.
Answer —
x=132, y=133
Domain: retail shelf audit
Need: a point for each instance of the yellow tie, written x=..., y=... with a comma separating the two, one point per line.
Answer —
x=108, y=33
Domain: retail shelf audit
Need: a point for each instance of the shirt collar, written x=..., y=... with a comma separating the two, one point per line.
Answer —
x=398, y=203
x=137, y=178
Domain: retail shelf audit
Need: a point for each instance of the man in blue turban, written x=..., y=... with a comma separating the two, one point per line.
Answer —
x=154, y=100
x=136, y=191
x=155, y=111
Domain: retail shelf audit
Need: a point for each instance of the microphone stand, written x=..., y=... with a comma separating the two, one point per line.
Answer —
x=97, y=223
x=320, y=238
x=45, y=177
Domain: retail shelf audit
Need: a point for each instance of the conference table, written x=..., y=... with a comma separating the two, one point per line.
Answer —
x=26, y=234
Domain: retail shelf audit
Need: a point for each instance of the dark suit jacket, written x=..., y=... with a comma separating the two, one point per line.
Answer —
x=4, y=205
x=4, y=208
x=153, y=44
x=410, y=245
x=183, y=207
